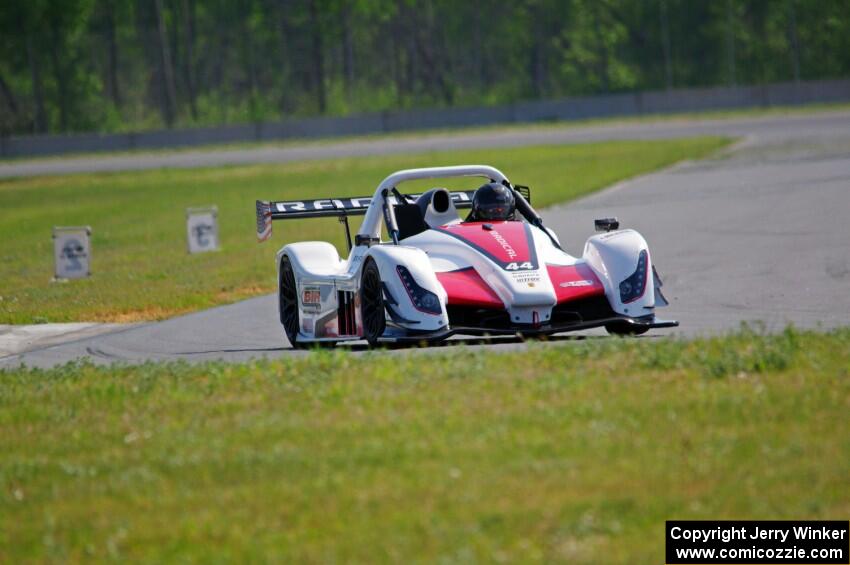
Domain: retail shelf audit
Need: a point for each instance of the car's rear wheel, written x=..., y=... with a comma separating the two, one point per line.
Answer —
x=289, y=302
x=625, y=329
x=372, y=311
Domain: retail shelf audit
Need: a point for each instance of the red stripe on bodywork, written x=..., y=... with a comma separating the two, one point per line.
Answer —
x=507, y=242
x=466, y=288
x=574, y=282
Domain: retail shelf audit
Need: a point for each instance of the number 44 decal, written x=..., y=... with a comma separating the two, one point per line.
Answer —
x=519, y=266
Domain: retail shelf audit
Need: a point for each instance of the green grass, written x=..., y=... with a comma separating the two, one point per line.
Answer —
x=725, y=114
x=141, y=270
x=574, y=452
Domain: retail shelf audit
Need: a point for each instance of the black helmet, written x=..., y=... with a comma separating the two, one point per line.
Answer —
x=493, y=201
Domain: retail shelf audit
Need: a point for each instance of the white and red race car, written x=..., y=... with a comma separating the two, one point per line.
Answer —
x=440, y=275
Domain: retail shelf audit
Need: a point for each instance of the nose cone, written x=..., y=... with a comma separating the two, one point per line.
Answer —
x=505, y=255
x=527, y=287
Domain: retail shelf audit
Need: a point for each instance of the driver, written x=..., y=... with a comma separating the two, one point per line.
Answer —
x=492, y=201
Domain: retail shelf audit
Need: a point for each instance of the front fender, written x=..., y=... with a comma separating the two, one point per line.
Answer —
x=615, y=257
x=312, y=259
x=399, y=304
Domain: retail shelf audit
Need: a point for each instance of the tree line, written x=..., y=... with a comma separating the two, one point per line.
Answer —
x=115, y=65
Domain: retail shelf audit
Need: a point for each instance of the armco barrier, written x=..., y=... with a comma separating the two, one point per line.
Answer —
x=575, y=108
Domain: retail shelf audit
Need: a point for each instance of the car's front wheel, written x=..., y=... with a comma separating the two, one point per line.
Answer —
x=372, y=311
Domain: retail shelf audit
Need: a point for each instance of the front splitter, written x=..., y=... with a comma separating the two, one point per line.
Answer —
x=648, y=322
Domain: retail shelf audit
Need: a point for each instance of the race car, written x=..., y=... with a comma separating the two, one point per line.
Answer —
x=498, y=271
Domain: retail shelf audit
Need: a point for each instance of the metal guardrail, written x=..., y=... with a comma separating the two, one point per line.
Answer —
x=575, y=108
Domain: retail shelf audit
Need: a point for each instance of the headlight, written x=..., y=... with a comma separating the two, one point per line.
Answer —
x=424, y=300
x=633, y=287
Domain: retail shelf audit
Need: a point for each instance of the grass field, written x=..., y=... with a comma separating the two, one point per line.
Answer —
x=139, y=260
x=725, y=114
x=575, y=452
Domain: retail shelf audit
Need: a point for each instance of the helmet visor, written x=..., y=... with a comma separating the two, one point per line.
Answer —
x=494, y=211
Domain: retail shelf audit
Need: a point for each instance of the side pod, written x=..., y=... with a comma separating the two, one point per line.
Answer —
x=317, y=267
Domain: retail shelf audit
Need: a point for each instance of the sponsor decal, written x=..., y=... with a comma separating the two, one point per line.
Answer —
x=311, y=295
x=330, y=204
x=583, y=282
x=529, y=277
x=505, y=245
x=322, y=204
x=311, y=299
x=609, y=235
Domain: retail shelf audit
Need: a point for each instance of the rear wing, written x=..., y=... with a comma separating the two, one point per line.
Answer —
x=267, y=212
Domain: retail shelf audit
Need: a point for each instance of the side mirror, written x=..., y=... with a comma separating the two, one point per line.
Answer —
x=606, y=224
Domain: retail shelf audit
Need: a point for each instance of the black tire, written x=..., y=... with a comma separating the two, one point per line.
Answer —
x=288, y=301
x=625, y=329
x=372, y=311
